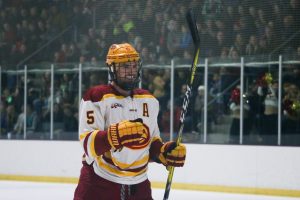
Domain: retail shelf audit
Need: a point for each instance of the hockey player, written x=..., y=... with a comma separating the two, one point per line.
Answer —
x=119, y=134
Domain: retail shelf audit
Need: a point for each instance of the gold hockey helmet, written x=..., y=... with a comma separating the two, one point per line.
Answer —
x=119, y=53
x=117, y=57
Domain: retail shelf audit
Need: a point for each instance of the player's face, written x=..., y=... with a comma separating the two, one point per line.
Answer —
x=127, y=72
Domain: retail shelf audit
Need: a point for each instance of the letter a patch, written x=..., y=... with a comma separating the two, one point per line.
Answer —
x=145, y=110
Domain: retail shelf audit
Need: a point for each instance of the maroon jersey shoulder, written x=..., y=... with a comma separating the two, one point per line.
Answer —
x=96, y=93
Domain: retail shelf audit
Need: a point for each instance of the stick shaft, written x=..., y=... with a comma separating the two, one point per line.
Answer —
x=196, y=39
x=182, y=117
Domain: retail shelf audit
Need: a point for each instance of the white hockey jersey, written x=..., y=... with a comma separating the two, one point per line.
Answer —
x=103, y=105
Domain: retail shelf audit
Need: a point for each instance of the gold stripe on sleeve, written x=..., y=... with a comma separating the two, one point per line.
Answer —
x=92, y=147
x=106, y=96
x=83, y=135
x=143, y=96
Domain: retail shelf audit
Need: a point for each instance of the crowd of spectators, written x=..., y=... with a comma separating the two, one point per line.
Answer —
x=28, y=25
x=73, y=31
x=157, y=28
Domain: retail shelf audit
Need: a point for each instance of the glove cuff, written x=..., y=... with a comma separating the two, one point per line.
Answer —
x=162, y=159
x=165, y=148
x=113, y=136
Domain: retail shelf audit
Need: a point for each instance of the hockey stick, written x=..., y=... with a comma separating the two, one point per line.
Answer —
x=190, y=17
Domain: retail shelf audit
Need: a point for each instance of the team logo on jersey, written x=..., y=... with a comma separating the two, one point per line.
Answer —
x=116, y=105
x=143, y=140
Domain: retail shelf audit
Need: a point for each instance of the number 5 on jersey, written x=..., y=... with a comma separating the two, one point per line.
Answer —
x=90, y=117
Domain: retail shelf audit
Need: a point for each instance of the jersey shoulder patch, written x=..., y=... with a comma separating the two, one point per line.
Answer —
x=96, y=93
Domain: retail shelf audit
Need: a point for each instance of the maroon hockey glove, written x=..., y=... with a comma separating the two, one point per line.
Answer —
x=132, y=134
x=172, y=155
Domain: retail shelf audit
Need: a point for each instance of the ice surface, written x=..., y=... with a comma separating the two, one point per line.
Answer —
x=14, y=190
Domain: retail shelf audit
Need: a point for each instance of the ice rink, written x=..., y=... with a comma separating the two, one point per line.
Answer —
x=13, y=190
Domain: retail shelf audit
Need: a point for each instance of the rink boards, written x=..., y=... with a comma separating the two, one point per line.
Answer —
x=268, y=170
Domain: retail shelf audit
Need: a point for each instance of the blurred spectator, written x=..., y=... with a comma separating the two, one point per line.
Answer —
x=233, y=54
x=164, y=123
x=57, y=18
x=289, y=29
x=73, y=53
x=8, y=119
x=293, y=10
x=198, y=114
x=186, y=38
x=251, y=19
x=6, y=96
x=234, y=105
x=158, y=87
x=240, y=27
x=198, y=109
x=2, y=118
x=96, y=79
x=291, y=117
x=58, y=57
x=268, y=89
x=230, y=15
x=298, y=52
x=238, y=45
x=291, y=75
x=69, y=120
x=146, y=23
x=173, y=38
x=146, y=56
x=94, y=61
x=9, y=35
x=32, y=94
x=225, y=52
x=261, y=22
x=277, y=19
x=271, y=39
x=41, y=29
x=127, y=22
x=148, y=76
x=262, y=46
x=187, y=56
x=212, y=8
x=32, y=121
x=256, y=113
x=209, y=33
x=18, y=97
x=221, y=43
x=215, y=91
x=19, y=52
x=252, y=47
